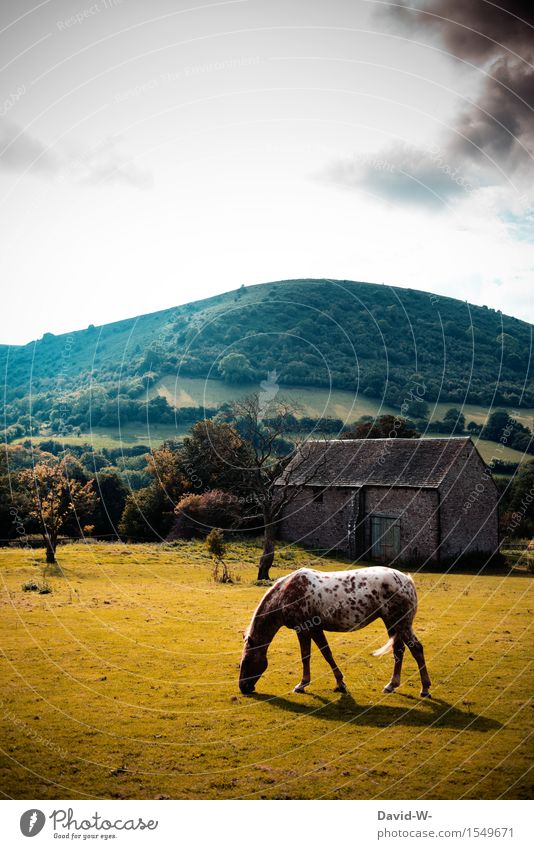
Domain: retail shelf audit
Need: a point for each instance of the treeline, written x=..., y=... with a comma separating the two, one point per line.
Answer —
x=182, y=488
x=79, y=412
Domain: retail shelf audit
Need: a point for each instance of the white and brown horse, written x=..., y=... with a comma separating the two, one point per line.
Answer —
x=311, y=602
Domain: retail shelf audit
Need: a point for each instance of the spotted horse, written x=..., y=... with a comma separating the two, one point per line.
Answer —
x=312, y=602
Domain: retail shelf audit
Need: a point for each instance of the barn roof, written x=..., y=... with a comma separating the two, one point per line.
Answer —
x=379, y=462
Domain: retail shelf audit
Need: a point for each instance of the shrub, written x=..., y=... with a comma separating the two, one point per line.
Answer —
x=198, y=514
x=34, y=587
x=217, y=547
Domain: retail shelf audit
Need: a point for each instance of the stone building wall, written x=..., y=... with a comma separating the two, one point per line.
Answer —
x=469, y=507
x=417, y=510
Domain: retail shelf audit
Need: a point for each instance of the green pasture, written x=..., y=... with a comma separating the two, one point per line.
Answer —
x=122, y=683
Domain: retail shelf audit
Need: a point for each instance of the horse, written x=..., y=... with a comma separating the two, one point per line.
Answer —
x=312, y=602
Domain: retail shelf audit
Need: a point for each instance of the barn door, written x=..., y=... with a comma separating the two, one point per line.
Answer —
x=385, y=538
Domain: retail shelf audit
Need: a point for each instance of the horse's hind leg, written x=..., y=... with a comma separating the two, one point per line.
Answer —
x=305, y=651
x=398, y=654
x=320, y=640
x=417, y=650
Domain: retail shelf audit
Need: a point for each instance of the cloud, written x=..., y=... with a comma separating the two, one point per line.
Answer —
x=107, y=164
x=499, y=126
x=20, y=152
x=476, y=30
x=404, y=174
x=490, y=140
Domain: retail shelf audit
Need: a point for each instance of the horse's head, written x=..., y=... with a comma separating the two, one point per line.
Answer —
x=253, y=665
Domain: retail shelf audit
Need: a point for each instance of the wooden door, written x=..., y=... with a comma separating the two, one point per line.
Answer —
x=385, y=538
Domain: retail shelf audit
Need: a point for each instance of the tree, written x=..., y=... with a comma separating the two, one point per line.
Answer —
x=235, y=368
x=146, y=514
x=521, y=502
x=217, y=548
x=474, y=428
x=501, y=427
x=166, y=465
x=416, y=408
x=214, y=455
x=197, y=513
x=112, y=498
x=272, y=473
x=385, y=427
x=54, y=498
x=454, y=421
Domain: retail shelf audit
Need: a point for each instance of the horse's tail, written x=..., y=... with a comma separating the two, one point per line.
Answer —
x=385, y=648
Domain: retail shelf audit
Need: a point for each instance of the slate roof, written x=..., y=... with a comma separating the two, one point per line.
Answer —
x=379, y=462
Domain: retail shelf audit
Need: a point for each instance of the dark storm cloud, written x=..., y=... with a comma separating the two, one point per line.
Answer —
x=496, y=131
x=500, y=125
x=473, y=29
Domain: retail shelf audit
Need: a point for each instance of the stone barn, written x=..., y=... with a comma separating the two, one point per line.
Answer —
x=393, y=500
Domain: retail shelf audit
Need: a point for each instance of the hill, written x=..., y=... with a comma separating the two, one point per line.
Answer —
x=378, y=341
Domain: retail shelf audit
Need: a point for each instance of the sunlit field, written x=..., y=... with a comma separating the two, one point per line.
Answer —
x=122, y=683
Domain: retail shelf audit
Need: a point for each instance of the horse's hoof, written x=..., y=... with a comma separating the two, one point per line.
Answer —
x=425, y=694
x=341, y=688
x=389, y=688
x=300, y=689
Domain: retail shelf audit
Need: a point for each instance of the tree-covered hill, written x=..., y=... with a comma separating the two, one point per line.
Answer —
x=376, y=340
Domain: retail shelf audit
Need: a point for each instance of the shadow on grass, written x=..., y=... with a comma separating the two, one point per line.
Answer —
x=416, y=712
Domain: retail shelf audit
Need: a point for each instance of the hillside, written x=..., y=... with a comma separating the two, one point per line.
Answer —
x=368, y=340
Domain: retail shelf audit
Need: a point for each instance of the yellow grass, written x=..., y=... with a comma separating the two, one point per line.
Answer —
x=123, y=683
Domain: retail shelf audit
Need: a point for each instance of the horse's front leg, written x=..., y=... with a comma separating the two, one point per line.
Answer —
x=305, y=651
x=320, y=640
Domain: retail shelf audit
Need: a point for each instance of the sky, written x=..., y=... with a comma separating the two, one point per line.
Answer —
x=156, y=153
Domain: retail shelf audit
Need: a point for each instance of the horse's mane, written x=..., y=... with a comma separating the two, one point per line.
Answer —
x=263, y=606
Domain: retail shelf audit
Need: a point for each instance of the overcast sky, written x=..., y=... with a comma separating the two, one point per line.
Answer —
x=156, y=153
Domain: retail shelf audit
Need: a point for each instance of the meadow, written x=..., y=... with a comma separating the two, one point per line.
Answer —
x=122, y=683
x=309, y=401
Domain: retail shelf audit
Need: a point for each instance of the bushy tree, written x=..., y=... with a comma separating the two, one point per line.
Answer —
x=147, y=514
x=53, y=498
x=198, y=513
x=214, y=456
x=385, y=427
x=235, y=368
x=453, y=421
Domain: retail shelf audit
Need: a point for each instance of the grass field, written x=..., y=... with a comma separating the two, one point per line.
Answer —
x=313, y=401
x=133, y=433
x=123, y=683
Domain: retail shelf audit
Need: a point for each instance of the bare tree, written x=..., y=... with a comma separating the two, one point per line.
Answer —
x=275, y=466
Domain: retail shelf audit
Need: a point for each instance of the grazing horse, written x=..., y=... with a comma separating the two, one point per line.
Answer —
x=312, y=602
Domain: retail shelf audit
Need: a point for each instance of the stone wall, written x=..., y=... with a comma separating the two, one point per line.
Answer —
x=417, y=510
x=320, y=524
x=469, y=507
